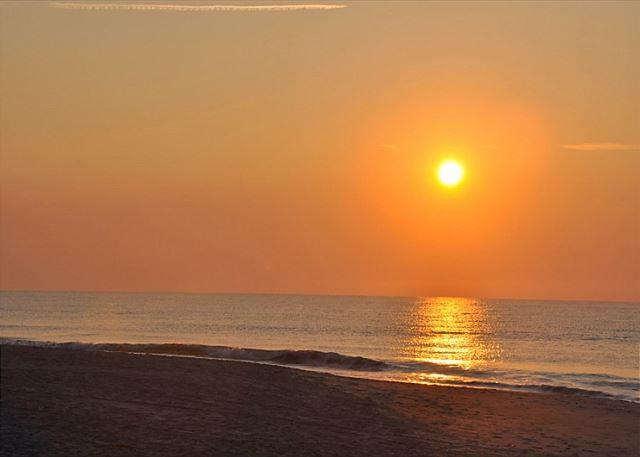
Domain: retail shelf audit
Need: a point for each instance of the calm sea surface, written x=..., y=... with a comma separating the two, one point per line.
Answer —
x=588, y=348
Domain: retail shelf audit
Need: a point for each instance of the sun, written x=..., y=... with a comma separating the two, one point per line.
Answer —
x=450, y=173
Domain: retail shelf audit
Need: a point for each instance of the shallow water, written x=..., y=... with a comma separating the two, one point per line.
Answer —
x=583, y=347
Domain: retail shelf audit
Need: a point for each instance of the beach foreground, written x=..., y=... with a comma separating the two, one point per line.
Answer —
x=72, y=403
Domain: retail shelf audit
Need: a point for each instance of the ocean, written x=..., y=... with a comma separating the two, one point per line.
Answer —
x=585, y=348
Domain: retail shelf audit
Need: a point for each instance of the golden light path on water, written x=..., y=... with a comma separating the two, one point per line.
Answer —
x=451, y=332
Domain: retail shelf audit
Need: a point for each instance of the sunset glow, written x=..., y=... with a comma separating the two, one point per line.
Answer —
x=261, y=162
x=241, y=228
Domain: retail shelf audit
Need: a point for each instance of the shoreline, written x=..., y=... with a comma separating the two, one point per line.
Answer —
x=73, y=402
x=338, y=364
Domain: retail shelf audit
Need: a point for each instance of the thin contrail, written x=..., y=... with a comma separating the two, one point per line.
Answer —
x=191, y=8
x=602, y=147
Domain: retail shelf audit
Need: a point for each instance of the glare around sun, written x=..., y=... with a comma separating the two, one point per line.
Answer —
x=450, y=173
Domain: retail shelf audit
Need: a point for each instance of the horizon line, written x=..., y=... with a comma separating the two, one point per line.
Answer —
x=313, y=294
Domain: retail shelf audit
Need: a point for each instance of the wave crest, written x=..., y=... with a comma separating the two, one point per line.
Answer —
x=597, y=385
x=308, y=358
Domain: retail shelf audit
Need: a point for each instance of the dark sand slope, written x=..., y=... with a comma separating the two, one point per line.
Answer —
x=75, y=403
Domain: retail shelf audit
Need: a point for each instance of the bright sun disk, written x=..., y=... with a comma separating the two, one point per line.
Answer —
x=450, y=173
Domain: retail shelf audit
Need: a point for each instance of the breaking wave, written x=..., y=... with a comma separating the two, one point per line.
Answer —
x=309, y=358
x=593, y=385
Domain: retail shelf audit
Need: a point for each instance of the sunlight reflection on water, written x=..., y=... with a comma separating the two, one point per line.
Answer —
x=450, y=331
x=447, y=340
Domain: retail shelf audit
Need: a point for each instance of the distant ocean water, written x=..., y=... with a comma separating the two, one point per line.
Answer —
x=587, y=348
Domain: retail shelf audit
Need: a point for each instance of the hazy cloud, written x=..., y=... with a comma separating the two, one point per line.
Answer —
x=191, y=8
x=390, y=147
x=602, y=147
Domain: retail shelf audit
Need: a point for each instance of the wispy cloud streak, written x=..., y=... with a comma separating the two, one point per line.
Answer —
x=602, y=147
x=192, y=8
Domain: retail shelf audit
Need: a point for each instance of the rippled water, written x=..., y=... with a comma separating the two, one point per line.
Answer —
x=540, y=345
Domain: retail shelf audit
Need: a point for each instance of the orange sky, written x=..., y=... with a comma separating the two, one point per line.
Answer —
x=295, y=151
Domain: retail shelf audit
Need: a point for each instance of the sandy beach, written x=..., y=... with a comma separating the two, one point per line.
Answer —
x=80, y=403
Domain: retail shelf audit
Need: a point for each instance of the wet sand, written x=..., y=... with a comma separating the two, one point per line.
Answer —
x=62, y=402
